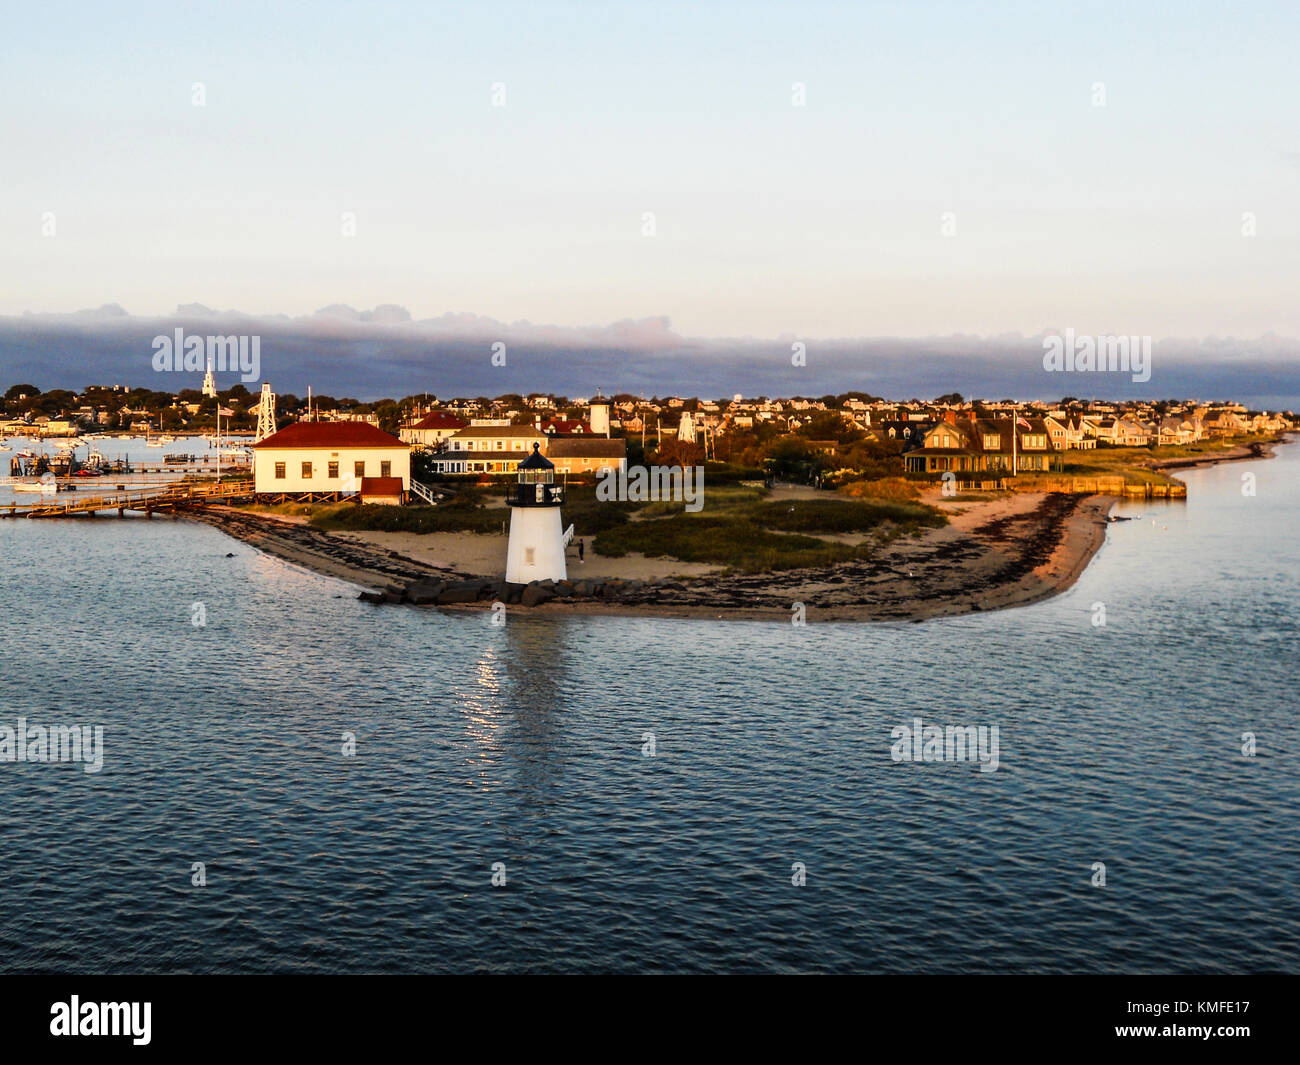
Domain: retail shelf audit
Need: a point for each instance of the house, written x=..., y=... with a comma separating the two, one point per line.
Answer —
x=1224, y=423
x=432, y=429
x=979, y=445
x=488, y=449
x=57, y=426
x=1179, y=430
x=585, y=454
x=328, y=459
x=1068, y=434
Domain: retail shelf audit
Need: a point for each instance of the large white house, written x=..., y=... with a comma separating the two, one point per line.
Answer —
x=331, y=458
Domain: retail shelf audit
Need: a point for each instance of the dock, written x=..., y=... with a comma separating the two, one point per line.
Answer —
x=166, y=498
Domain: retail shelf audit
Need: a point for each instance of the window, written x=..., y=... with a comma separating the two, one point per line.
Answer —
x=992, y=441
x=279, y=471
x=332, y=472
x=306, y=471
x=1038, y=440
x=358, y=470
x=385, y=469
x=529, y=553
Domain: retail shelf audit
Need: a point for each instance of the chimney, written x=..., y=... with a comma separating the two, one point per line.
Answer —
x=950, y=416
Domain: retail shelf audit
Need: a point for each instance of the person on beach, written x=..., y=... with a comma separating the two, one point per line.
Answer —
x=580, y=552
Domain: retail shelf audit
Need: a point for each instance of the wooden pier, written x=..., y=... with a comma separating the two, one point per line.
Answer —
x=167, y=498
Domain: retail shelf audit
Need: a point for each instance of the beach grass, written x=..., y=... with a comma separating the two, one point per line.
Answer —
x=750, y=537
x=733, y=542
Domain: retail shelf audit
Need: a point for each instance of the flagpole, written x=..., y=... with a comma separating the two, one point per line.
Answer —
x=218, y=440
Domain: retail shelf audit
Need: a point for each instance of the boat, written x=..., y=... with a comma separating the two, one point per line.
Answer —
x=177, y=459
x=44, y=487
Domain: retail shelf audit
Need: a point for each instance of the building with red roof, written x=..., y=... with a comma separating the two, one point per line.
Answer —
x=328, y=460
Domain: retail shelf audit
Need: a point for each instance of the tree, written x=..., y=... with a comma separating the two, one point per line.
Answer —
x=680, y=453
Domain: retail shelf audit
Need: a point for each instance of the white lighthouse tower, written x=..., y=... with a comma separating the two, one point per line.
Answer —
x=537, y=542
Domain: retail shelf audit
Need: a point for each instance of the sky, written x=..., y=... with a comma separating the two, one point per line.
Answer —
x=950, y=169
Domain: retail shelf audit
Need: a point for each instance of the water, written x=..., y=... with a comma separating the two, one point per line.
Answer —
x=476, y=745
x=135, y=450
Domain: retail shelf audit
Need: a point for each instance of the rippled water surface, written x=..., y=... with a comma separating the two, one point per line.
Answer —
x=476, y=745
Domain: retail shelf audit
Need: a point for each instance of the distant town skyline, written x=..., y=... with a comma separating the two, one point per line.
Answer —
x=814, y=170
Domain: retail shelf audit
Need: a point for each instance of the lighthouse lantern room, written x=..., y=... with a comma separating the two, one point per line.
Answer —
x=536, y=551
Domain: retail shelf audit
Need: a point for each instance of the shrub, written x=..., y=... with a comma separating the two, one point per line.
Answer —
x=411, y=519
x=895, y=488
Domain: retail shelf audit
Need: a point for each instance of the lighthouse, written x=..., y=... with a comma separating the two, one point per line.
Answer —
x=537, y=542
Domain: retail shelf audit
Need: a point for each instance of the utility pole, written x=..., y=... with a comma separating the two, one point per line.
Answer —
x=1015, y=465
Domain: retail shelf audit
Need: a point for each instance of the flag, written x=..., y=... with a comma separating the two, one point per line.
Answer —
x=1024, y=421
x=225, y=412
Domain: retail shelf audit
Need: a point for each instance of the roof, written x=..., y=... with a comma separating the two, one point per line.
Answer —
x=566, y=425
x=537, y=461
x=508, y=431
x=585, y=447
x=381, y=486
x=440, y=419
x=331, y=435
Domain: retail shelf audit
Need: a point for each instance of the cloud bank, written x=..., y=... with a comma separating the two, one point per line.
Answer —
x=342, y=351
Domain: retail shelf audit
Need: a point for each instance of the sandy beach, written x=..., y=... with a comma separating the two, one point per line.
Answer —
x=995, y=553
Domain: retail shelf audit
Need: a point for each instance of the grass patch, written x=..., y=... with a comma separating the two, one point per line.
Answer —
x=829, y=516
x=372, y=518
x=724, y=541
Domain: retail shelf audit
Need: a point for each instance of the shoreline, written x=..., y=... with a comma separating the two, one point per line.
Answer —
x=994, y=554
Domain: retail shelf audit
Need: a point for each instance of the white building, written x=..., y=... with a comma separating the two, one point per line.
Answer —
x=331, y=458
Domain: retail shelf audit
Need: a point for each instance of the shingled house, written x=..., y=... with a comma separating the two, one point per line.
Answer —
x=982, y=445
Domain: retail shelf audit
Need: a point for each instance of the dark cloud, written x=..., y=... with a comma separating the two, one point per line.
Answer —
x=384, y=352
